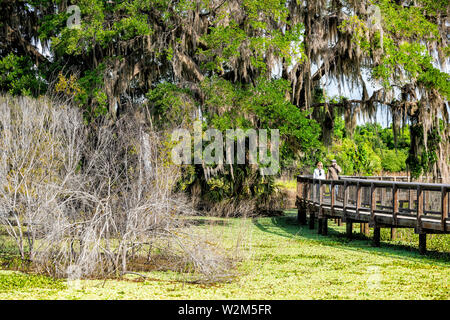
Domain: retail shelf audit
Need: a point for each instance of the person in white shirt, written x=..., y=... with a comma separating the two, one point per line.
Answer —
x=319, y=173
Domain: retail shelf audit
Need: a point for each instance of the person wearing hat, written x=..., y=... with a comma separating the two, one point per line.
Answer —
x=333, y=173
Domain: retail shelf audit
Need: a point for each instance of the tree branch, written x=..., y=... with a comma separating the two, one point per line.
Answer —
x=27, y=47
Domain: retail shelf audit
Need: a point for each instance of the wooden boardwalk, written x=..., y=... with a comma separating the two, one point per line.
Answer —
x=375, y=203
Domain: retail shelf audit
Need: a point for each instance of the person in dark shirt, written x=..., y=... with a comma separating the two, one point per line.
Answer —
x=333, y=174
x=333, y=171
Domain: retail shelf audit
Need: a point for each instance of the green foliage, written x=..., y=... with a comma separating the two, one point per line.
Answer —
x=92, y=98
x=370, y=150
x=404, y=56
x=227, y=39
x=94, y=29
x=355, y=159
x=416, y=64
x=394, y=160
x=387, y=137
x=17, y=281
x=359, y=31
x=262, y=106
x=339, y=128
x=235, y=106
x=87, y=92
x=407, y=22
x=434, y=78
x=171, y=106
x=267, y=101
x=224, y=41
x=423, y=162
x=18, y=76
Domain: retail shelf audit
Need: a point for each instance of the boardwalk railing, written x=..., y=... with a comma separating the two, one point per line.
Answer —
x=375, y=203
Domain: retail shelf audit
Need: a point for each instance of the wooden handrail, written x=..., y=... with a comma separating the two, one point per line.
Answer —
x=388, y=202
x=378, y=203
x=367, y=183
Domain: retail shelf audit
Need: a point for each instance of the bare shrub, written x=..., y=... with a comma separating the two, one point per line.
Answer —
x=40, y=152
x=95, y=201
x=231, y=208
x=273, y=204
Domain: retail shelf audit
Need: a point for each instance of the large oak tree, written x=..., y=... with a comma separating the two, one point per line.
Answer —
x=123, y=49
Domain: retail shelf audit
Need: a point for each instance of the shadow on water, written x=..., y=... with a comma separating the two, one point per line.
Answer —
x=288, y=227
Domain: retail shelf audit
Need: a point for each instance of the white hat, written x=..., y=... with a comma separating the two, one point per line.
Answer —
x=333, y=160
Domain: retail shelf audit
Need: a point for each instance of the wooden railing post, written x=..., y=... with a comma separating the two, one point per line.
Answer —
x=299, y=187
x=333, y=197
x=349, y=228
x=348, y=221
x=362, y=228
x=311, y=212
x=344, y=204
x=373, y=206
x=324, y=217
x=394, y=203
x=422, y=243
x=304, y=203
x=308, y=190
x=444, y=208
x=419, y=208
x=373, y=203
x=376, y=236
x=301, y=206
x=410, y=204
x=422, y=235
x=299, y=199
x=358, y=198
x=394, y=209
x=319, y=215
x=320, y=198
